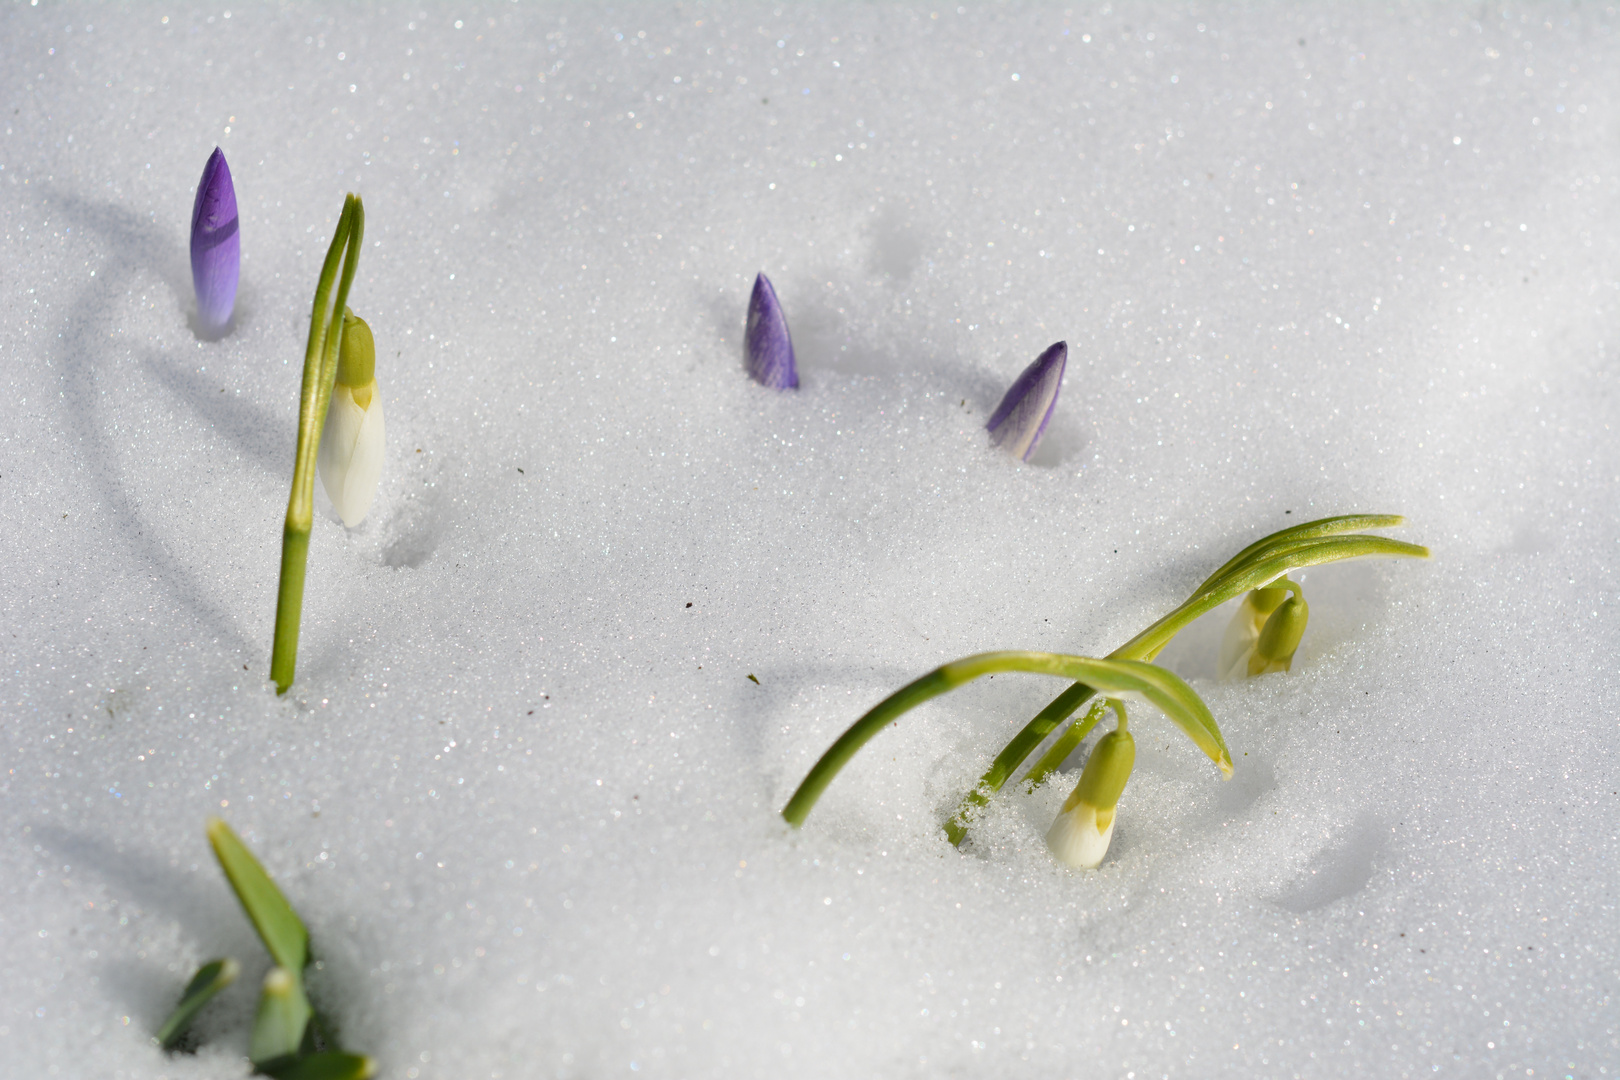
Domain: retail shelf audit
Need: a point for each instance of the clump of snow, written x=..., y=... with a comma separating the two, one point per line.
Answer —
x=1307, y=262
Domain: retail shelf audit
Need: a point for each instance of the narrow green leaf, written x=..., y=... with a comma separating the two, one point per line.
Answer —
x=1159, y=687
x=278, y=924
x=1330, y=526
x=1063, y=746
x=1262, y=569
x=210, y=979
x=278, y=1027
x=329, y=1065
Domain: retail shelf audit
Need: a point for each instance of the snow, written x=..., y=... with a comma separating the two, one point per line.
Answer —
x=1345, y=258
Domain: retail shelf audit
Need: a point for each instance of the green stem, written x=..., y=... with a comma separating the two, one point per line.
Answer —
x=1013, y=754
x=320, y=367
x=289, y=606
x=1112, y=676
x=1064, y=744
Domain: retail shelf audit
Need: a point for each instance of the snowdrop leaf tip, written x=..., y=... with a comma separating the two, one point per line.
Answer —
x=350, y=459
x=767, y=345
x=279, y=926
x=216, y=245
x=1020, y=420
x=210, y=979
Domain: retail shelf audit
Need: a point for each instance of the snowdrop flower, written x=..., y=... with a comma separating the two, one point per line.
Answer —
x=216, y=248
x=1020, y=420
x=767, y=347
x=1265, y=633
x=1080, y=835
x=351, y=455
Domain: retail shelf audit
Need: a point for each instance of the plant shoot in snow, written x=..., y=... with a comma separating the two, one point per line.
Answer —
x=216, y=246
x=320, y=371
x=1020, y=420
x=290, y=1040
x=1126, y=672
x=767, y=346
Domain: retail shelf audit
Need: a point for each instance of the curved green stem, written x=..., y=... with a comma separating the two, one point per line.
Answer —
x=320, y=367
x=1160, y=687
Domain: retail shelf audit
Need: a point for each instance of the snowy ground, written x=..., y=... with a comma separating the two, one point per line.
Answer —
x=1308, y=262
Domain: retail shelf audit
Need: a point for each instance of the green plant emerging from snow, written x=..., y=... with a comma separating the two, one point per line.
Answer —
x=320, y=373
x=290, y=1040
x=1263, y=638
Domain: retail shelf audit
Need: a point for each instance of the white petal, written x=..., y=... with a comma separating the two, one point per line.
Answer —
x=1075, y=839
x=351, y=454
x=1237, y=645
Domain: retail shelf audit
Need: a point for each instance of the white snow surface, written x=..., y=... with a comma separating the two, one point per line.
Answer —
x=1343, y=258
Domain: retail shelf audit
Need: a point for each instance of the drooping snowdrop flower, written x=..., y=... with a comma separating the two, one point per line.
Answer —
x=351, y=455
x=1083, y=829
x=1020, y=420
x=1265, y=633
x=767, y=346
x=216, y=246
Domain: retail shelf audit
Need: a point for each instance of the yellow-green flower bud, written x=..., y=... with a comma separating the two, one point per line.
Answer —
x=357, y=355
x=1080, y=835
x=350, y=459
x=1241, y=642
x=1265, y=601
x=1279, y=638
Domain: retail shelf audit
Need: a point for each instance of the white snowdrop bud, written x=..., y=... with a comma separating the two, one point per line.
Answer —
x=351, y=455
x=1080, y=835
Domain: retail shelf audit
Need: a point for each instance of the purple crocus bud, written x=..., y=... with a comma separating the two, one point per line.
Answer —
x=216, y=249
x=1020, y=420
x=767, y=348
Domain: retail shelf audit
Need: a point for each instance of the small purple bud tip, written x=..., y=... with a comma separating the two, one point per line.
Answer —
x=216, y=249
x=1020, y=420
x=767, y=348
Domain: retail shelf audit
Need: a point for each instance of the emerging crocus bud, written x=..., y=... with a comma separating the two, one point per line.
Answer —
x=1278, y=610
x=1080, y=835
x=767, y=347
x=1020, y=420
x=351, y=456
x=216, y=247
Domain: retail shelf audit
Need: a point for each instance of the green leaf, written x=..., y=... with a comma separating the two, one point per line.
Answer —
x=329, y=1065
x=284, y=1012
x=1272, y=562
x=210, y=979
x=1170, y=695
x=1264, y=565
x=1118, y=678
x=278, y=924
x=1330, y=526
